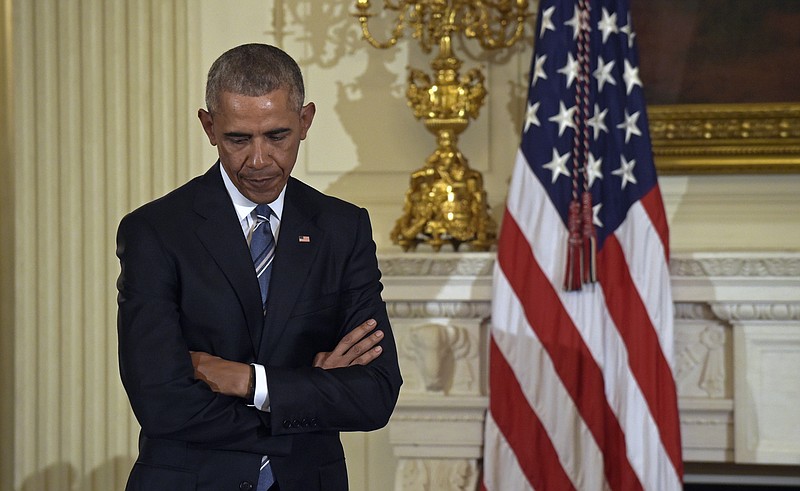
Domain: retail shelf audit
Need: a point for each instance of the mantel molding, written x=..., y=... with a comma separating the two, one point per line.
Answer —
x=751, y=265
x=443, y=264
x=717, y=264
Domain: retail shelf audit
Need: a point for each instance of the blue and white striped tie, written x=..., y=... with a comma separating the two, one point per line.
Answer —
x=262, y=250
x=265, y=477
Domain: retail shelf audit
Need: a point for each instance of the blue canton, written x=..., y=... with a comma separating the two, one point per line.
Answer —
x=619, y=164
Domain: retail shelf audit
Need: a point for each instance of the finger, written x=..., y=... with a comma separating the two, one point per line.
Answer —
x=367, y=357
x=364, y=345
x=319, y=359
x=196, y=358
x=354, y=337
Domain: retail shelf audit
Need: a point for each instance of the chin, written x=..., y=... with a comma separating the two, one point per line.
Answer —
x=265, y=197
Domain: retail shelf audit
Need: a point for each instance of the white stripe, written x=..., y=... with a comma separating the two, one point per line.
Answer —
x=530, y=206
x=264, y=264
x=545, y=231
x=501, y=469
x=580, y=456
x=645, y=256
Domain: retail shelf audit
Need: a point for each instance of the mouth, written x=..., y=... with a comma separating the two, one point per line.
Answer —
x=260, y=180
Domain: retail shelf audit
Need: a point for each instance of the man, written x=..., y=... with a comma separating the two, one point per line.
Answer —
x=227, y=368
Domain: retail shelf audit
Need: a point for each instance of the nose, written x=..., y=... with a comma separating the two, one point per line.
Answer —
x=260, y=155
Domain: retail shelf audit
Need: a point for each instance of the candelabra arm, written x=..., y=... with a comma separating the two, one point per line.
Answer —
x=363, y=18
x=491, y=42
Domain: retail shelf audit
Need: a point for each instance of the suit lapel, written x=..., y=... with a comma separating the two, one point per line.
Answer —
x=222, y=237
x=298, y=243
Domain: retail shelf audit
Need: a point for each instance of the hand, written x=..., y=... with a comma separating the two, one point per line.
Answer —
x=226, y=377
x=356, y=348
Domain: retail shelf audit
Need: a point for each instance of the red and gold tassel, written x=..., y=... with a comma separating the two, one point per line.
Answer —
x=589, y=240
x=572, y=280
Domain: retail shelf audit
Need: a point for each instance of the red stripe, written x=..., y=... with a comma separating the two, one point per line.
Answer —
x=521, y=427
x=654, y=206
x=645, y=357
x=573, y=362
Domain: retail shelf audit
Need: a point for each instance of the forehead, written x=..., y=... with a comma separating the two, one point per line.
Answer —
x=275, y=102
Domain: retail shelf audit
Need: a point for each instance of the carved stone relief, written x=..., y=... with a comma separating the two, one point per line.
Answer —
x=702, y=354
x=437, y=475
x=439, y=357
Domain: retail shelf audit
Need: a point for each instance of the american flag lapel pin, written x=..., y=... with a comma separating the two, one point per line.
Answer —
x=305, y=239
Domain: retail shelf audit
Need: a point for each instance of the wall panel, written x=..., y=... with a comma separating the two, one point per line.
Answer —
x=7, y=359
x=100, y=90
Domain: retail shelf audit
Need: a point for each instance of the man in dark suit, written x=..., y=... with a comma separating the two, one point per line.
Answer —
x=231, y=391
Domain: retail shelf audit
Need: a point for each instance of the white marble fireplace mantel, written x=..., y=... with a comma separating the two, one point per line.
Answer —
x=737, y=360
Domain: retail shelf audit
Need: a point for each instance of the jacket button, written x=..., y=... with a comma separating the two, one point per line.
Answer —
x=305, y=423
x=287, y=423
x=314, y=422
x=246, y=486
x=296, y=423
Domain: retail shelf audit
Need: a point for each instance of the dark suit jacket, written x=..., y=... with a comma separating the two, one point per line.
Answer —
x=187, y=283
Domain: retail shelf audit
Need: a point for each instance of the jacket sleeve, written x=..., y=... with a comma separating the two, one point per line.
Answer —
x=356, y=398
x=154, y=361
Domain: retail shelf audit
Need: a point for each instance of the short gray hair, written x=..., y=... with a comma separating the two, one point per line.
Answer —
x=254, y=70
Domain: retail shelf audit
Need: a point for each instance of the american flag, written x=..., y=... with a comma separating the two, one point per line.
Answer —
x=582, y=394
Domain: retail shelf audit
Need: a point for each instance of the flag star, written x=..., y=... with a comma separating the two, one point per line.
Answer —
x=565, y=118
x=558, y=166
x=596, y=214
x=598, y=121
x=625, y=171
x=628, y=29
x=603, y=73
x=547, y=21
x=531, y=118
x=631, y=77
x=608, y=24
x=570, y=70
x=538, y=69
x=593, y=169
x=630, y=125
x=575, y=23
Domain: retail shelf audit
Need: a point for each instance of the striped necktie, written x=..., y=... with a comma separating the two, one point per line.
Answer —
x=262, y=249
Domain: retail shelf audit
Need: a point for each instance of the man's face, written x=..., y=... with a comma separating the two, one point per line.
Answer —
x=257, y=139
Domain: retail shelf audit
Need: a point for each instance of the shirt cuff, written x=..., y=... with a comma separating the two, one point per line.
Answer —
x=261, y=394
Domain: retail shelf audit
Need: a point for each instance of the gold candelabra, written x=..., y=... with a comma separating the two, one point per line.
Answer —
x=446, y=201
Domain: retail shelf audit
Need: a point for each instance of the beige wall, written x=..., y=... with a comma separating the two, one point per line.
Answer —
x=100, y=105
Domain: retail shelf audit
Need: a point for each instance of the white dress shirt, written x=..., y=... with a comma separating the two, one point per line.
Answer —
x=245, y=211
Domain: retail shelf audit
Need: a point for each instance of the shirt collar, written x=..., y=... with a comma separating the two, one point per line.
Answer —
x=244, y=207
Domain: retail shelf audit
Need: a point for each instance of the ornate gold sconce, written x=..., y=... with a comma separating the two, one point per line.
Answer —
x=446, y=201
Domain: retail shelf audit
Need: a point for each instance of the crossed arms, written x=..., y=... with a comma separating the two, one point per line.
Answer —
x=231, y=378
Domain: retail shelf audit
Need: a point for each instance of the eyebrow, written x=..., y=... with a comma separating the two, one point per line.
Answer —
x=237, y=134
x=278, y=131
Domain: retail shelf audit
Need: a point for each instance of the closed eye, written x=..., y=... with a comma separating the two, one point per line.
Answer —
x=278, y=134
x=237, y=138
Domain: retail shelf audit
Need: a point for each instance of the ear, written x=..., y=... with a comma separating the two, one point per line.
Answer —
x=208, y=125
x=306, y=117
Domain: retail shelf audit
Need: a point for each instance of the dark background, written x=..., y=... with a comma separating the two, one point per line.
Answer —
x=718, y=51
